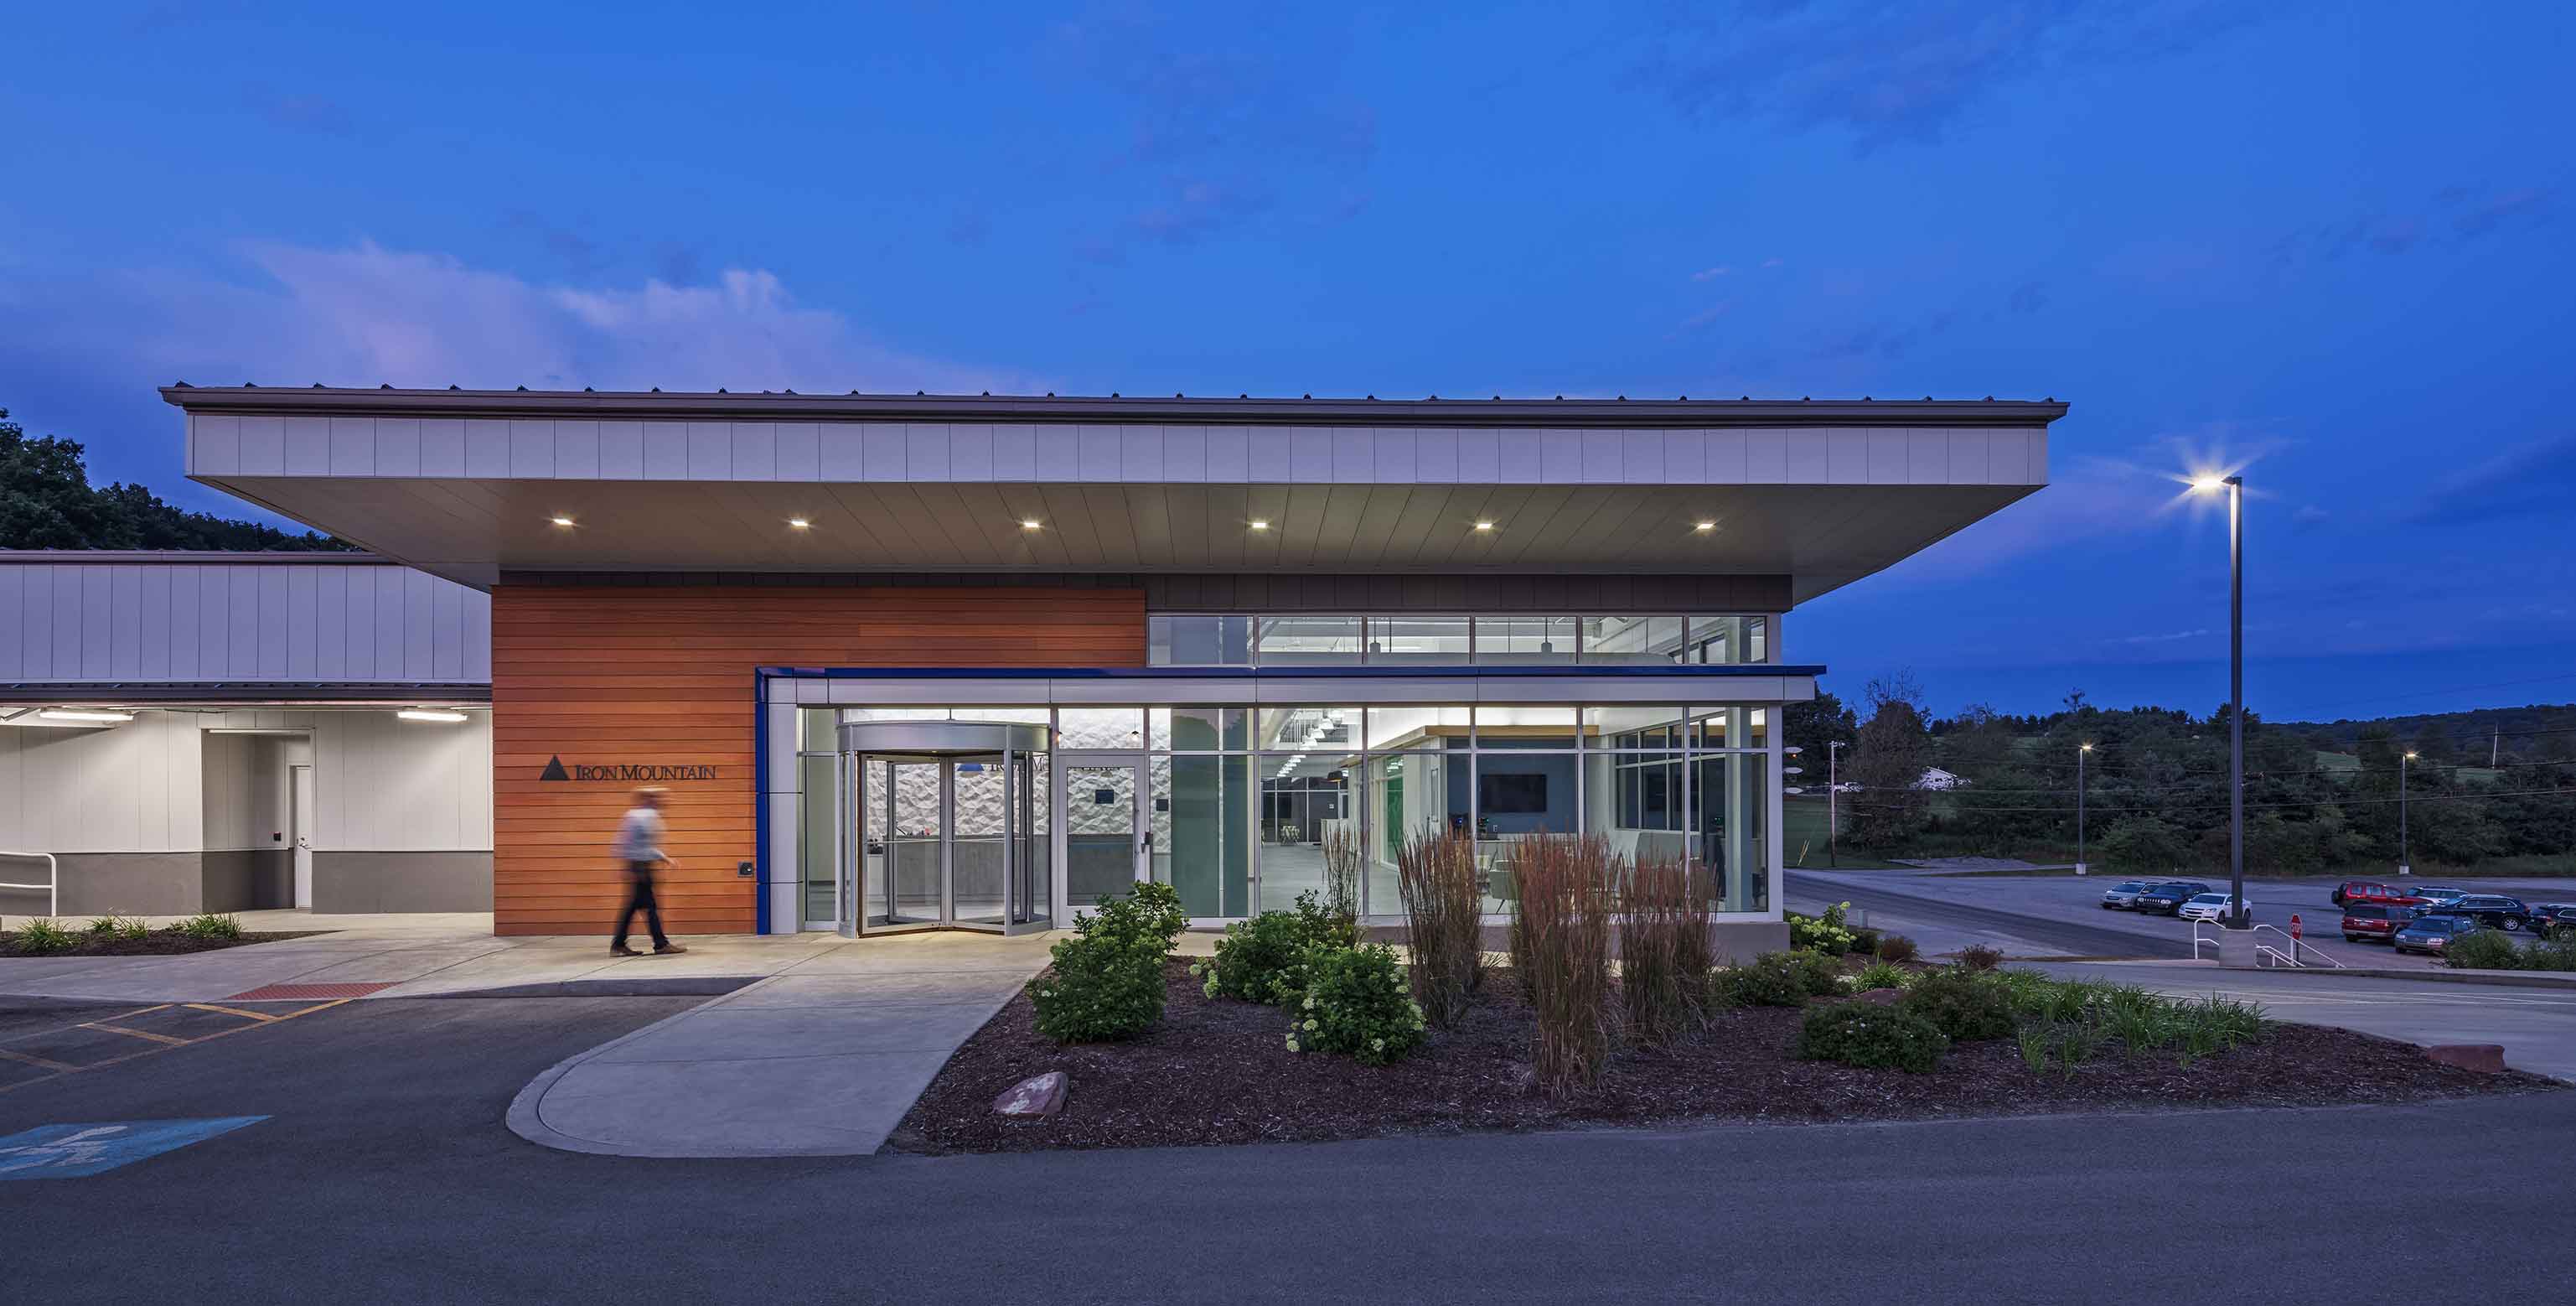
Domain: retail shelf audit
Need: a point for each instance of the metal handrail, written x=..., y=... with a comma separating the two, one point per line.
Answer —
x=2298, y=947
x=53, y=885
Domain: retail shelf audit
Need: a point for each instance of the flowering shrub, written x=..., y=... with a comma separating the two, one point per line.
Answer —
x=1263, y=959
x=1963, y=1005
x=1871, y=1036
x=1107, y=981
x=1825, y=934
x=1781, y=979
x=1357, y=1003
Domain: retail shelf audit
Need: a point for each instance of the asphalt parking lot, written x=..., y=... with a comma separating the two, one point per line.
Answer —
x=358, y=1154
x=2061, y=915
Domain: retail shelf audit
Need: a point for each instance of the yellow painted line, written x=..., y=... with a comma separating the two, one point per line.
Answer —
x=120, y=1029
x=29, y=1059
x=229, y=1011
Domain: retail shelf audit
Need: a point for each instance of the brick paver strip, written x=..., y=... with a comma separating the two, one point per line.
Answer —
x=290, y=992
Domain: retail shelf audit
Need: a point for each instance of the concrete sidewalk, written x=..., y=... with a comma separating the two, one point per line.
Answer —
x=822, y=1058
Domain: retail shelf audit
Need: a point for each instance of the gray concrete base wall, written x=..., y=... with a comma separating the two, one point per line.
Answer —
x=101, y=884
x=1735, y=941
x=402, y=881
x=248, y=879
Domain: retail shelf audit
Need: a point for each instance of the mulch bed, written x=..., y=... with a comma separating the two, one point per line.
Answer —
x=159, y=943
x=1219, y=1071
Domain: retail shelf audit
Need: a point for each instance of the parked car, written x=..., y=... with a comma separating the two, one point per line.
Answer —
x=2352, y=891
x=2123, y=896
x=2209, y=907
x=2432, y=933
x=2375, y=920
x=2439, y=892
x=2549, y=920
x=2167, y=897
x=2493, y=910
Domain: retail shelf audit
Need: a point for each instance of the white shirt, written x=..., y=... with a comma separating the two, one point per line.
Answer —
x=639, y=836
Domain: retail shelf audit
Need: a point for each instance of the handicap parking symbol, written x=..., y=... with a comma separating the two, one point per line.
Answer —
x=72, y=1151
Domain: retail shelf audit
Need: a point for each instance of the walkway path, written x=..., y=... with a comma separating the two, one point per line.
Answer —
x=821, y=1059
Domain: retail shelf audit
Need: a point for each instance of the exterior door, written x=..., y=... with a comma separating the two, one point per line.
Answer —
x=1107, y=848
x=299, y=827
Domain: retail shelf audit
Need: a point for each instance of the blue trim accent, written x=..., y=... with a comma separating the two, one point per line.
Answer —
x=760, y=800
x=1478, y=670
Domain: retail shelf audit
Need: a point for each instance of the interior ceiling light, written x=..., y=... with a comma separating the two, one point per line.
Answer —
x=1484, y=526
x=1705, y=526
x=798, y=524
x=563, y=521
x=1030, y=523
x=1259, y=525
x=430, y=714
x=99, y=715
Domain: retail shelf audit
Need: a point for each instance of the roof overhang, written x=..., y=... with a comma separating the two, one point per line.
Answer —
x=468, y=484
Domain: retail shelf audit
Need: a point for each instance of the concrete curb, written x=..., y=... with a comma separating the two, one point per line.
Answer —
x=523, y=1116
x=705, y=986
x=2527, y=979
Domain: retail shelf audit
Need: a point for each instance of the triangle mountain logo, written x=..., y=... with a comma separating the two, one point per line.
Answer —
x=554, y=769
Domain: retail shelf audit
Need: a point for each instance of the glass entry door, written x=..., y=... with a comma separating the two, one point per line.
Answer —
x=947, y=839
x=1107, y=847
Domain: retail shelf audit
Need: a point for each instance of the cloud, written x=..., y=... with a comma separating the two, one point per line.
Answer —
x=2530, y=479
x=1887, y=71
x=2472, y=216
x=2167, y=638
x=301, y=112
x=1711, y=274
x=2028, y=297
x=2499, y=209
x=1194, y=209
x=2308, y=515
x=1698, y=320
x=366, y=315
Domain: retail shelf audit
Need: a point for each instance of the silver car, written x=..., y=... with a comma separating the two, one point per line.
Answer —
x=2123, y=896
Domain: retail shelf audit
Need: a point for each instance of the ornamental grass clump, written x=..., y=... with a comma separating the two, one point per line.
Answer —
x=211, y=925
x=1444, y=921
x=1563, y=935
x=1665, y=953
x=1895, y=948
x=1107, y=980
x=1342, y=877
x=42, y=935
x=1356, y=1003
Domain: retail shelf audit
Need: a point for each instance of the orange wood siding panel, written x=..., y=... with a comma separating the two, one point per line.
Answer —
x=663, y=676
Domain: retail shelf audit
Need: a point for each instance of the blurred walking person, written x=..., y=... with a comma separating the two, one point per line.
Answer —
x=639, y=846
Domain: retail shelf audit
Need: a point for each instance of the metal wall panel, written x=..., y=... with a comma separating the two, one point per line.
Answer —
x=67, y=621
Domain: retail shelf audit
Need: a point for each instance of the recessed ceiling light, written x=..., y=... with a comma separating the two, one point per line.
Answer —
x=563, y=521
x=798, y=523
x=1260, y=525
x=1030, y=523
x=1484, y=526
x=430, y=714
x=1705, y=526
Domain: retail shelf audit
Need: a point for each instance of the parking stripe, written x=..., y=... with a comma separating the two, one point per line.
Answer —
x=120, y=1029
x=229, y=1011
x=165, y=1042
x=30, y=1059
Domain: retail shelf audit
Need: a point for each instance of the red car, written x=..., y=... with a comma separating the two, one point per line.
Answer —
x=2375, y=920
x=2352, y=891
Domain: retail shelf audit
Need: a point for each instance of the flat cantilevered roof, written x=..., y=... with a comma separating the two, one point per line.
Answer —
x=470, y=483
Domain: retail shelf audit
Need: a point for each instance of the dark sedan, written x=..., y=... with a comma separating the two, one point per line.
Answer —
x=2550, y=920
x=2433, y=934
x=2492, y=910
x=2167, y=898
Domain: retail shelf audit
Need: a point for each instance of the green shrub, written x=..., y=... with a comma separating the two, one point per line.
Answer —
x=2481, y=950
x=102, y=927
x=42, y=935
x=2215, y=1024
x=1981, y=956
x=1357, y=1003
x=1895, y=947
x=1825, y=934
x=211, y=925
x=1262, y=959
x=118, y=927
x=2550, y=954
x=1107, y=981
x=1868, y=1035
x=1780, y=979
x=1879, y=975
x=1964, y=1006
x=2034, y=1047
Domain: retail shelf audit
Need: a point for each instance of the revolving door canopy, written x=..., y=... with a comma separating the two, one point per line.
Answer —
x=948, y=827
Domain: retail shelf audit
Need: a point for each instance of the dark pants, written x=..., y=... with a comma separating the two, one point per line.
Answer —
x=639, y=895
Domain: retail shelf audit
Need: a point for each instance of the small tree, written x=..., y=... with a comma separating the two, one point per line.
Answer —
x=1892, y=751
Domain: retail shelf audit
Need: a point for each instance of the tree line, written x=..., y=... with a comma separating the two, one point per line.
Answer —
x=2481, y=786
x=47, y=502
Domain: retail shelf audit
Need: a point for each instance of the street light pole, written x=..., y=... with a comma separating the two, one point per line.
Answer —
x=2243, y=919
x=1833, y=797
x=2082, y=751
x=2403, y=868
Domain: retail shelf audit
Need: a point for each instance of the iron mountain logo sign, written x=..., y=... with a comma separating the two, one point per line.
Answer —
x=623, y=772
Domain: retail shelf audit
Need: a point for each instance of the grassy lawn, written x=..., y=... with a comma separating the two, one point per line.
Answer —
x=1803, y=839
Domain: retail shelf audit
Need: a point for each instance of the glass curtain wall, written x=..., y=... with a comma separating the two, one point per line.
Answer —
x=1235, y=640
x=1240, y=802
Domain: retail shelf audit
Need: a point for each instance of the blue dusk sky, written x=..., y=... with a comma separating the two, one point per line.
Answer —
x=2327, y=243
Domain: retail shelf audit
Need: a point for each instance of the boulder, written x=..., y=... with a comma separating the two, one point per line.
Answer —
x=2485, y=1058
x=1039, y=1096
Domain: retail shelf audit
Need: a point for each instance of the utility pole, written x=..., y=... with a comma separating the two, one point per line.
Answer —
x=2082, y=751
x=2494, y=743
x=2402, y=867
x=1833, y=810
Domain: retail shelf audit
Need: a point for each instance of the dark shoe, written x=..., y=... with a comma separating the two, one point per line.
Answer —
x=666, y=949
x=621, y=950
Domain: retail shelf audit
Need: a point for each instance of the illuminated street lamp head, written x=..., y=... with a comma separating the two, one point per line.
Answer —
x=2213, y=482
x=2084, y=748
x=2410, y=755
